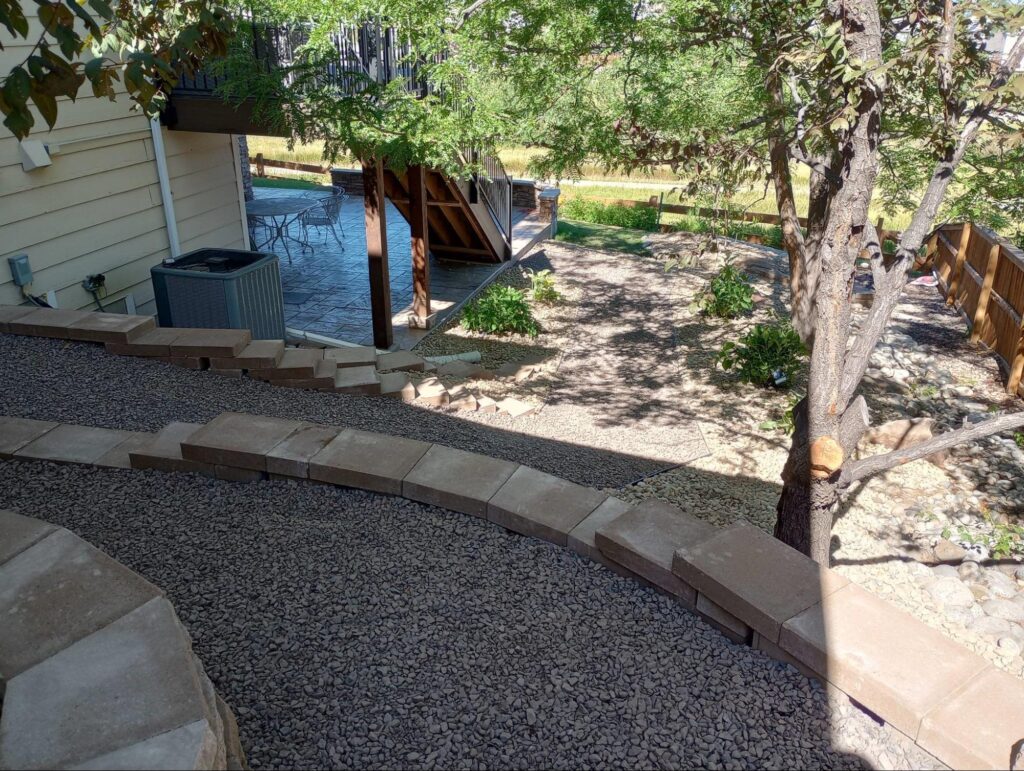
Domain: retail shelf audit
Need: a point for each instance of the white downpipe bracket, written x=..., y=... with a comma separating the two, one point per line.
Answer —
x=165, y=186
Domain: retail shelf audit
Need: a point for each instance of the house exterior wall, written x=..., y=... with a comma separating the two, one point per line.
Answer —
x=98, y=208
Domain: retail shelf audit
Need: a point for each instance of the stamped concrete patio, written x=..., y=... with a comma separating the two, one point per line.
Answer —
x=327, y=289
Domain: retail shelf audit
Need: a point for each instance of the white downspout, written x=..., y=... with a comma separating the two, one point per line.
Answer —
x=165, y=186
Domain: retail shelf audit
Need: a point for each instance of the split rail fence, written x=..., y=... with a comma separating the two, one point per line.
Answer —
x=982, y=275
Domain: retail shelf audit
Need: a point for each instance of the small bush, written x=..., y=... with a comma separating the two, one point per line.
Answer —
x=769, y=355
x=728, y=294
x=770, y=235
x=542, y=286
x=786, y=422
x=500, y=310
x=588, y=210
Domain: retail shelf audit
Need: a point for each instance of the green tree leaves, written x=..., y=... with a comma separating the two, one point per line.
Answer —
x=147, y=44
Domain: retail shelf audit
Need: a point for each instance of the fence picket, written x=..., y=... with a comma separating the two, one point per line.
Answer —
x=958, y=266
x=981, y=312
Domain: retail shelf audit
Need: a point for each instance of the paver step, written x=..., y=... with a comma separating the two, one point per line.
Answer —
x=208, y=343
x=352, y=356
x=645, y=539
x=397, y=385
x=357, y=380
x=154, y=342
x=400, y=360
x=259, y=354
x=233, y=353
x=294, y=364
x=432, y=391
x=110, y=327
x=322, y=379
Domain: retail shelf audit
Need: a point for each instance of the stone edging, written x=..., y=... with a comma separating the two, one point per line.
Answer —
x=354, y=370
x=756, y=590
x=98, y=671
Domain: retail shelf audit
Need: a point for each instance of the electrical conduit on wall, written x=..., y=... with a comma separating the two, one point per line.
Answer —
x=165, y=186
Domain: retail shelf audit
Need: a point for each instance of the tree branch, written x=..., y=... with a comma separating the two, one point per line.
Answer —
x=815, y=165
x=867, y=466
x=887, y=297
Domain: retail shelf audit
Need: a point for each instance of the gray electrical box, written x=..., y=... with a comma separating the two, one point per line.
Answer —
x=20, y=270
x=221, y=289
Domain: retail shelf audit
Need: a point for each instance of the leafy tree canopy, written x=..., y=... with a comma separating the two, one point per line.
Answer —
x=144, y=46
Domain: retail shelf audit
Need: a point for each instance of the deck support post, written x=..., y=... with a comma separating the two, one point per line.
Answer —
x=419, y=230
x=377, y=252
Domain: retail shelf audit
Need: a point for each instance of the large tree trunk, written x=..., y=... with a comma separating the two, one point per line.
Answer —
x=821, y=445
x=805, y=515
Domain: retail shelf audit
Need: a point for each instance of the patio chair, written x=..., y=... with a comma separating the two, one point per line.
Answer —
x=326, y=215
x=259, y=232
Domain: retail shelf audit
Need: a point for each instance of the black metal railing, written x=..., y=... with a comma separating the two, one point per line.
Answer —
x=495, y=187
x=363, y=54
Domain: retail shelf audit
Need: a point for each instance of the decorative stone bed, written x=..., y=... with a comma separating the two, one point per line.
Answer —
x=97, y=669
x=952, y=703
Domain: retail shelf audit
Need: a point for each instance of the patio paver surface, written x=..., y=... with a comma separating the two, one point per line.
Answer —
x=327, y=290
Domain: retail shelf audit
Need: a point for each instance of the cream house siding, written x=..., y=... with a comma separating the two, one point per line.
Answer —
x=98, y=207
x=205, y=188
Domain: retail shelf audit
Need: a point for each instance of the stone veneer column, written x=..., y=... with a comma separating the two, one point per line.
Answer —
x=547, y=206
x=243, y=154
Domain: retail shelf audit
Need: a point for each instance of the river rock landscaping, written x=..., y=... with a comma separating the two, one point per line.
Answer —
x=941, y=538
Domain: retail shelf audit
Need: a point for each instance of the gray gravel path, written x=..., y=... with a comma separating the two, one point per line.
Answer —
x=348, y=629
x=618, y=384
x=81, y=383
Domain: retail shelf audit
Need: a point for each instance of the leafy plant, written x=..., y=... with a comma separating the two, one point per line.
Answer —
x=1018, y=437
x=770, y=235
x=542, y=286
x=1002, y=540
x=769, y=355
x=786, y=423
x=589, y=210
x=500, y=310
x=924, y=390
x=728, y=294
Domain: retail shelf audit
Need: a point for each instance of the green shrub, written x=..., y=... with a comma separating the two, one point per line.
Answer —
x=786, y=422
x=768, y=355
x=728, y=294
x=770, y=235
x=589, y=210
x=500, y=310
x=542, y=286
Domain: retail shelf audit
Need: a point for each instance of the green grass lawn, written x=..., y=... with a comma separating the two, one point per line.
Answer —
x=602, y=236
x=291, y=184
x=516, y=161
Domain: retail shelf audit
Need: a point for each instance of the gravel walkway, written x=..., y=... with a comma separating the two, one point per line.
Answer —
x=81, y=383
x=352, y=630
x=619, y=382
x=612, y=375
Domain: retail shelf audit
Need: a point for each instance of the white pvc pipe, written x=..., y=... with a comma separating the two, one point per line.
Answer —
x=165, y=186
x=472, y=357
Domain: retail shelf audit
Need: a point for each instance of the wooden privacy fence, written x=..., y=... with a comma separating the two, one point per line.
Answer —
x=262, y=163
x=983, y=276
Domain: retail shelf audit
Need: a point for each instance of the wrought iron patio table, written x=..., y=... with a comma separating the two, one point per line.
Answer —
x=280, y=214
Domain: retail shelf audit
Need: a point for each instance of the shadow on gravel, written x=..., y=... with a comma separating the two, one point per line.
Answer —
x=81, y=383
x=348, y=629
